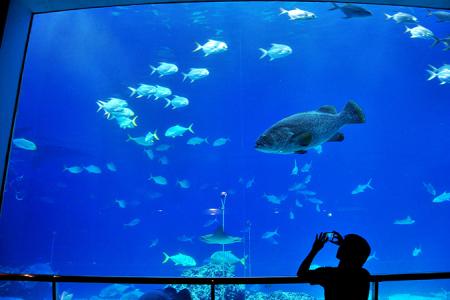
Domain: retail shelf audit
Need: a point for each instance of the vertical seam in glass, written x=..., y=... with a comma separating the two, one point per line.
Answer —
x=14, y=113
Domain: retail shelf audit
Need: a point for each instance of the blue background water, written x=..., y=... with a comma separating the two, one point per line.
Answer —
x=71, y=221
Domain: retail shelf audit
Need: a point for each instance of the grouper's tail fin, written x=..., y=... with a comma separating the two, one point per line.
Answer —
x=353, y=114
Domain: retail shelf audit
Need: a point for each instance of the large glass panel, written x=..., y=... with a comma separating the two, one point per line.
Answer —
x=111, y=175
x=415, y=290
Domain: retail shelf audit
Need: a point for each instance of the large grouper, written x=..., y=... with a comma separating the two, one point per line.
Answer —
x=302, y=131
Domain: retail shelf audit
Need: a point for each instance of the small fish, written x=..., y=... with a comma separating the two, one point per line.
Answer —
x=111, y=167
x=307, y=193
x=185, y=238
x=442, y=198
x=352, y=11
x=150, y=153
x=163, y=147
x=121, y=203
x=406, y=221
x=153, y=243
x=303, y=131
x=306, y=168
x=133, y=222
x=372, y=256
x=297, y=186
x=210, y=222
x=158, y=180
x=143, y=90
x=180, y=259
x=193, y=141
x=162, y=92
x=270, y=234
x=140, y=140
x=196, y=74
x=430, y=188
x=184, y=184
x=151, y=137
x=220, y=142
x=211, y=47
x=416, y=251
x=315, y=201
x=297, y=203
x=178, y=130
x=93, y=169
x=362, y=187
x=401, y=17
x=24, y=144
x=420, y=32
x=164, y=160
x=276, y=51
x=441, y=15
x=294, y=171
x=442, y=73
x=297, y=14
x=227, y=257
x=291, y=215
x=177, y=102
x=275, y=199
x=126, y=123
x=74, y=169
x=250, y=183
x=164, y=69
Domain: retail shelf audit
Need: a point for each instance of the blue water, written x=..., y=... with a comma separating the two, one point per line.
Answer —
x=71, y=222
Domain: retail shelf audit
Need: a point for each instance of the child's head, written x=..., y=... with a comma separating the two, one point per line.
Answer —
x=354, y=250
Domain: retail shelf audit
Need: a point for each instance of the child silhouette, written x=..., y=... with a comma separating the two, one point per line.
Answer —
x=349, y=280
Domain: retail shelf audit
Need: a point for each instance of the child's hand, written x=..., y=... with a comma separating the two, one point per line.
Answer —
x=319, y=242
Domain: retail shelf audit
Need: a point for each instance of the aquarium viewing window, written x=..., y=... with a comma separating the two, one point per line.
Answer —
x=147, y=140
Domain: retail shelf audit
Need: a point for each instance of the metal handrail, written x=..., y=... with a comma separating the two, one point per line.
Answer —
x=212, y=282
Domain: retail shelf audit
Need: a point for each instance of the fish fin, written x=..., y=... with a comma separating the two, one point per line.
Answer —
x=133, y=121
x=407, y=29
x=338, y=137
x=388, y=17
x=155, y=135
x=168, y=103
x=199, y=47
x=192, y=80
x=153, y=69
x=161, y=75
x=368, y=184
x=435, y=42
x=190, y=128
x=283, y=11
x=429, y=12
x=335, y=6
x=184, y=76
x=133, y=91
x=206, y=140
x=166, y=257
x=432, y=74
x=352, y=113
x=302, y=139
x=264, y=53
x=300, y=152
x=100, y=105
x=139, y=96
x=129, y=138
x=328, y=109
x=242, y=260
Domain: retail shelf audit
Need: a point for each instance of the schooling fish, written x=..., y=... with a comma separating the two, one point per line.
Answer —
x=303, y=131
x=297, y=14
x=352, y=11
x=180, y=259
x=212, y=47
x=196, y=74
x=401, y=17
x=178, y=130
x=24, y=144
x=276, y=51
x=406, y=221
x=164, y=69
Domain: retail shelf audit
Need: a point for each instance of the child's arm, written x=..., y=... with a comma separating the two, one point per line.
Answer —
x=318, y=244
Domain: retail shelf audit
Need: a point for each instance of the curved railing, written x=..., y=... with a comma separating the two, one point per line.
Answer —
x=212, y=282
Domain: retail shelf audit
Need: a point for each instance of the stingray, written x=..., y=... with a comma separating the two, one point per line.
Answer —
x=219, y=237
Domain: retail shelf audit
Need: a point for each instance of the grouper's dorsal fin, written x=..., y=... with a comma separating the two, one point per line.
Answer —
x=329, y=109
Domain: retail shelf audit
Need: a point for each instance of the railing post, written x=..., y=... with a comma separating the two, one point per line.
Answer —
x=54, y=293
x=375, y=290
x=213, y=290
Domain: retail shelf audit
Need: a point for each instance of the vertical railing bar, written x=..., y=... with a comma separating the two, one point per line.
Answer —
x=54, y=296
x=375, y=292
x=213, y=290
